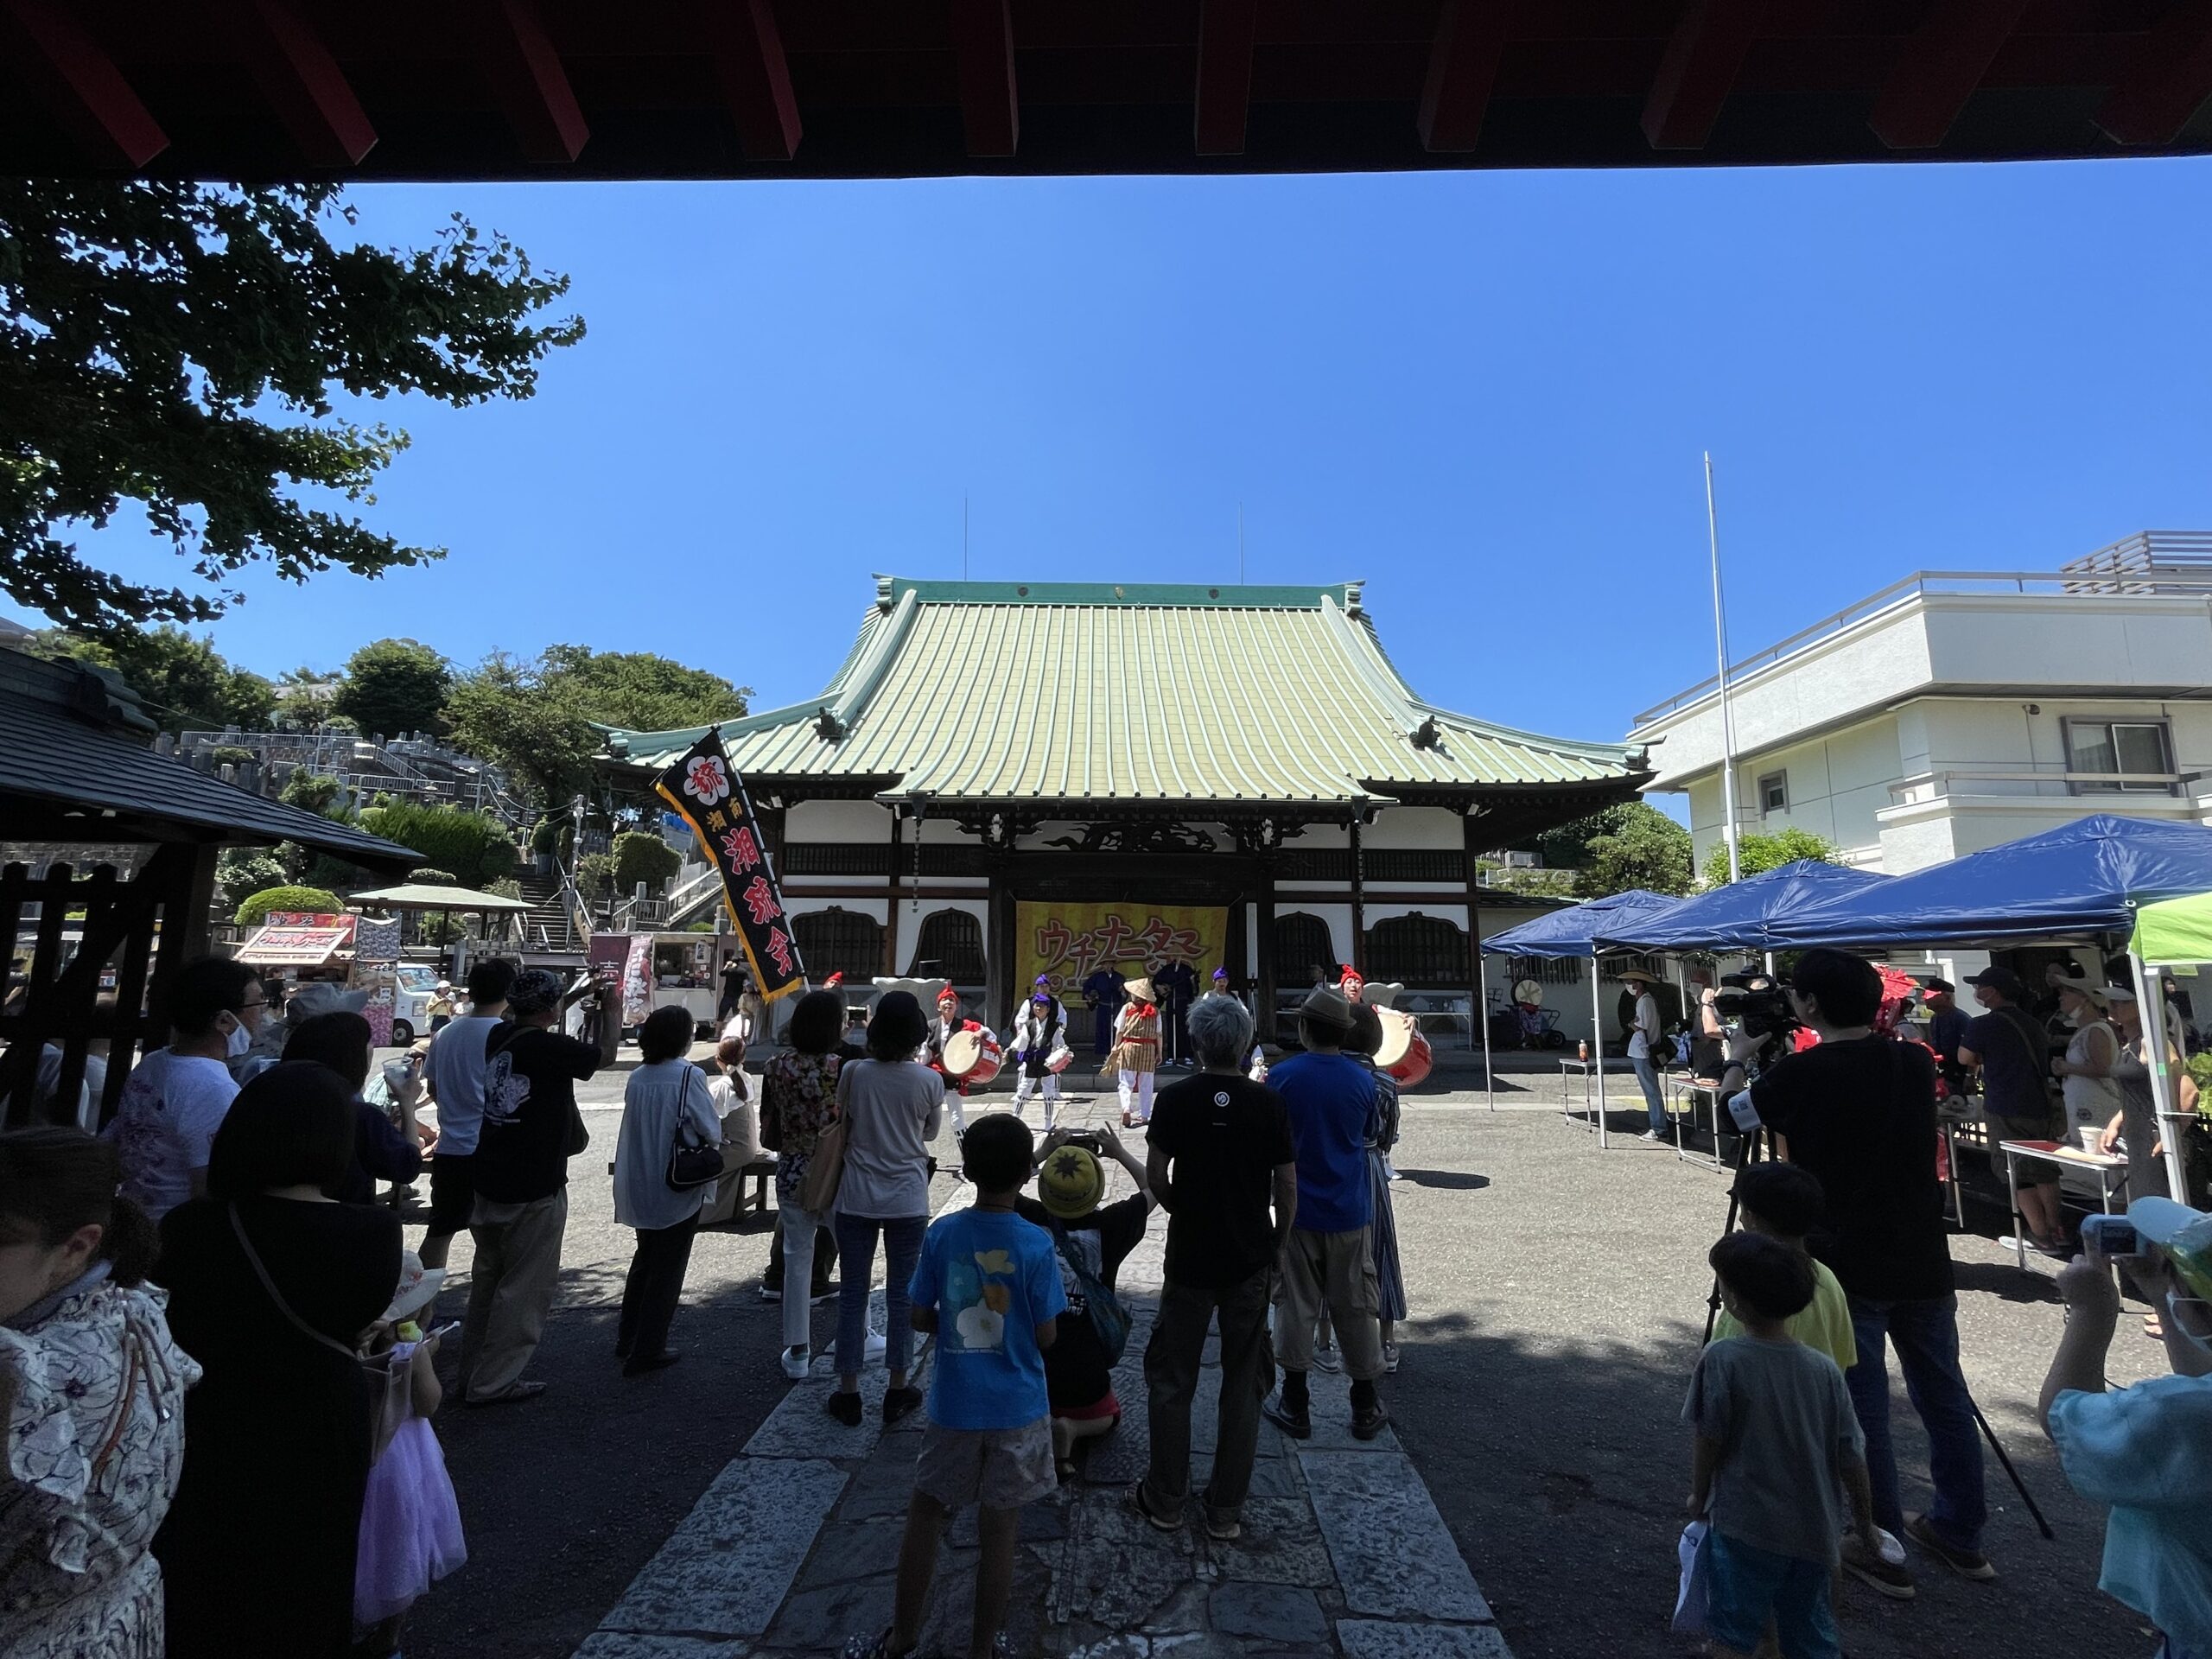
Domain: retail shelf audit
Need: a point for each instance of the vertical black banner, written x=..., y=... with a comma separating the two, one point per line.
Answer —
x=705, y=788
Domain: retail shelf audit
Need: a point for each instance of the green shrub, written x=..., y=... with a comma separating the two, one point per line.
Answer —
x=257, y=906
x=242, y=871
x=473, y=847
x=505, y=887
x=430, y=876
x=594, y=872
x=230, y=754
x=640, y=855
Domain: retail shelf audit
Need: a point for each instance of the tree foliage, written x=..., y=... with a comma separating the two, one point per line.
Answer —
x=1755, y=855
x=475, y=848
x=173, y=347
x=535, y=718
x=316, y=901
x=393, y=686
x=1632, y=845
x=184, y=682
x=241, y=872
x=641, y=856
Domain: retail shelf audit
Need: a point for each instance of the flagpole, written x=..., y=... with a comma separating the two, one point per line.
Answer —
x=1720, y=652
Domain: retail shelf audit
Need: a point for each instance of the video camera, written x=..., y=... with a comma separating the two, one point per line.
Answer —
x=1753, y=999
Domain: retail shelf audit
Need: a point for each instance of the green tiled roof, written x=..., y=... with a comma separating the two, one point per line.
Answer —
x=1083, y=692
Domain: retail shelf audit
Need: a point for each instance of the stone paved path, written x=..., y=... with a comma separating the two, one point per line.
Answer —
x=794, y=1547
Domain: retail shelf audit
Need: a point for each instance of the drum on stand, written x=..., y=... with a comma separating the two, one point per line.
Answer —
x=973, y=1057
x=1405, y=1053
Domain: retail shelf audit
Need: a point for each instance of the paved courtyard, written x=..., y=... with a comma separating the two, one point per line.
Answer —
x=1525, y=1501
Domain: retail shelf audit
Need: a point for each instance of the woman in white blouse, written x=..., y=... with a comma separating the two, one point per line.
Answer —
x=667, y=1097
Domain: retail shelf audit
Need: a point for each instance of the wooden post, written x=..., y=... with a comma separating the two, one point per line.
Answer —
x=1264, y=974
x=890, y=909
x=1358, y=899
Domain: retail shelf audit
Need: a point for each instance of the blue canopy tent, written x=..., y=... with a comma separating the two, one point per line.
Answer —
x=1750, y=915
x=1574, y=932
x=2081, y=881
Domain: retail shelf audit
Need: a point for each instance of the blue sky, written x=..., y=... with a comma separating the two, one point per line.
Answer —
x=1485, y=394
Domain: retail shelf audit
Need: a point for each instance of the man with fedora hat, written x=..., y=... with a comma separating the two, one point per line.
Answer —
x=1327, y=1265
x=1645, y=1050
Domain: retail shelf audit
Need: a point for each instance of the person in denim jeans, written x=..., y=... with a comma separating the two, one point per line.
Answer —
x=1857, y=1109
x=892, y=1107
x=1646, y=1050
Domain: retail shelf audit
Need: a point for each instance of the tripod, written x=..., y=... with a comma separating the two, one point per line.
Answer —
x=1747, y=1154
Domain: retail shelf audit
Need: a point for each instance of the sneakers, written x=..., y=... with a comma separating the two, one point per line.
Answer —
x=1326, y=1358
x=1391, y=1358
x=1158, y=1521
x=795, y=1362
x=1297, y=1424
x=768, y=1295
x=1369, y=1420
x=1884, y=1578
x=845, y=1408
x=900, y=1402
x=1967, y=1563
x=827, y=1294
x=1654, y=1137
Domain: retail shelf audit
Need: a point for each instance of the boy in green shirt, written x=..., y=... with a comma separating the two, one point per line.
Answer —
x=1785, y=1202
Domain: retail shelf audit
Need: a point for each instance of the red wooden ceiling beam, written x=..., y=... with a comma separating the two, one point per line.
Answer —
x=2169, y=81
x=982, y=44
x=532, y=86
x=1697, y=72
x=1938, y=68
x=79, y=82
x=300, y=79
x=1463, y=62
x=754, y=78
x=1224, y=94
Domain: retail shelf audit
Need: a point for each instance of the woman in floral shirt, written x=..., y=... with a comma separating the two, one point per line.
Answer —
x=92, y=1392
x=798, y=1100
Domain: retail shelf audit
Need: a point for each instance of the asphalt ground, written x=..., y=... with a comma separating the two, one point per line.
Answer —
x=1558, y=1295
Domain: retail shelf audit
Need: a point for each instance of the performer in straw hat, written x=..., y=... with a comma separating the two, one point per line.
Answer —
x=1136, y=1054
x=1039, y=1029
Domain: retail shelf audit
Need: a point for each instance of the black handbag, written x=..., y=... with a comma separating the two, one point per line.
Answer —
x=691, y=1166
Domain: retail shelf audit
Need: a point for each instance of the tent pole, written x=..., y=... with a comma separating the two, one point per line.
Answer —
x=2155, y=1040
x=1598, y=1046
x=1481, y=1001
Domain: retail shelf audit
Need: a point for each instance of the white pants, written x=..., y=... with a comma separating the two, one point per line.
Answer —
x=1136, y=1096
x=958, y=1102
x=1024, y=1084
x=798, y=1227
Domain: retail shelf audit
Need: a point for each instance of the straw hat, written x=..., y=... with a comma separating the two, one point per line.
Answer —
x=1138, y=989
x=2100, y=995
x=1637, y=973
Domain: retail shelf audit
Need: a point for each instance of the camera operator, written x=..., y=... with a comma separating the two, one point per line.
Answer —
x=1859, y=1111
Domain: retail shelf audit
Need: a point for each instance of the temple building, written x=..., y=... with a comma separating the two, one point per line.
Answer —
x=1004, y=780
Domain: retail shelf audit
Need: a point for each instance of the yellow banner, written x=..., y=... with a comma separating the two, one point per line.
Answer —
x=1069, y=942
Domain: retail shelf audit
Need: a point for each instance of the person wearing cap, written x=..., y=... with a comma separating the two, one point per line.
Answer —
x=2084, y=1071
x=452, y=1077
x=1327, y=1265
x=2146, y=1451
x=1039, y=1027
x=1645, y=1055
x=2010, y=1051
x=442, y=1005
x=1946, y=1028
x=1859, y=1110
x=1091, y=1240
x=1134, y=1057
x=530, y=1130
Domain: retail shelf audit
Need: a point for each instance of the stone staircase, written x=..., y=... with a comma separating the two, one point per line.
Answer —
x=548, y=925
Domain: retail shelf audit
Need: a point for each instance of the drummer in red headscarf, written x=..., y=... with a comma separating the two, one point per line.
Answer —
x=1136, y=1054
x=947, y=1025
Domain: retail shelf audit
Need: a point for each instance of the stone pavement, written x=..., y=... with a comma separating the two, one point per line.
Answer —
x=794, y=1546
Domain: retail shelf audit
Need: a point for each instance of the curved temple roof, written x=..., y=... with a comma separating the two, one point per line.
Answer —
x=1083, y=692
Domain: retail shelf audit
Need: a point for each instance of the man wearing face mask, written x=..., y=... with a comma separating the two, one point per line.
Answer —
x=177, y=1096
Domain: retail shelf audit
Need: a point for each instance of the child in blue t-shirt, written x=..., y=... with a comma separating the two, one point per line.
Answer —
x=987, y=1287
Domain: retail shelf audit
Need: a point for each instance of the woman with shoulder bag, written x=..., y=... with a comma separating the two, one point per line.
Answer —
x=798, y=1101
x=272, y=1287
x=890, y=1108
x=666, y=1106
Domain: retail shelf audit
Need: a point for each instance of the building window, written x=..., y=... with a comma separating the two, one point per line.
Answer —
x=950, y=946
x=1421, y=952
x=2140, y=746
x=1774, y=792
x=1302, y=950
x=835, y=941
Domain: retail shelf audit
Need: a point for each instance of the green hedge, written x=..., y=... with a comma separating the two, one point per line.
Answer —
x=258, y=905
x=475, y=848
x=640, y=855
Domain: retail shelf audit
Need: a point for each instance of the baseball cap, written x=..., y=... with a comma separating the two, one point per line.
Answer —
x=2001, y=980
x=1071, y=1183
x=534, y=992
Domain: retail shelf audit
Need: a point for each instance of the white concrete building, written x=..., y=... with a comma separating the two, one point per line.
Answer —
x=1955, y=710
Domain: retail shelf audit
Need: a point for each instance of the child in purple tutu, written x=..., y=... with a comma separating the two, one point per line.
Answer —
x=411, y=1521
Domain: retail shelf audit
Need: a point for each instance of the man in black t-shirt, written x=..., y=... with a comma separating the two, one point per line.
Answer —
x=530, y=1130
x=1857, y=1109
x=2008, y=1044
x=1078, y=1373
x=1219, y=1157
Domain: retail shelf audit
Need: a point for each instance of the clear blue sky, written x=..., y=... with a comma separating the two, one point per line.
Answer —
x=1485, y=393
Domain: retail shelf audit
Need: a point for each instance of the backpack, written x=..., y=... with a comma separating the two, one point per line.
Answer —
x=1108, y=1317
